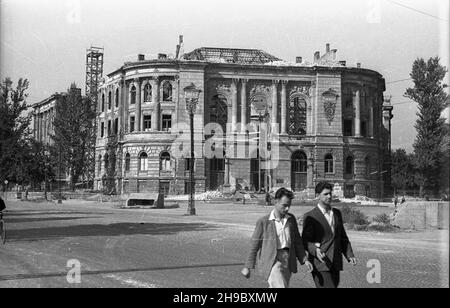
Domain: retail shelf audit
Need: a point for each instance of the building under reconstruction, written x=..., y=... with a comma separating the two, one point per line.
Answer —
x=282, y=123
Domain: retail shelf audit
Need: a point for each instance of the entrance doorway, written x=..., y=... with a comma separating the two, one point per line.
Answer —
x=217, y=172
x=257, y=176
x=299, y=171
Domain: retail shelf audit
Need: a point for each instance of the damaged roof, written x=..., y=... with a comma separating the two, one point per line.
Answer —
x=230, y=55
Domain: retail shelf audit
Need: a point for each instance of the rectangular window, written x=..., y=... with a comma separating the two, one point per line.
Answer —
x=188, y=164
x=132, y=120
x=109, y=127
x=363, y=129
x=166, y=122
x=164, y=188
x=147, y=122
x=348, y=127
x=116, y=126
x=102, y=129
x=349, y=191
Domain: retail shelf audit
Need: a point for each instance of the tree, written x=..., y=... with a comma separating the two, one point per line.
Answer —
x=40, y=166
x=399, y=169
x=428, y=92
x=73, y=128
x=14, y=130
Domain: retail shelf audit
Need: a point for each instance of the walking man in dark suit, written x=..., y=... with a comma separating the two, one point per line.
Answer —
x=278, y=242
x=326, y=240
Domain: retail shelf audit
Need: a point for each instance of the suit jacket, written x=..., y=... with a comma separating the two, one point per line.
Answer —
x=317, y=230
x=263, y=248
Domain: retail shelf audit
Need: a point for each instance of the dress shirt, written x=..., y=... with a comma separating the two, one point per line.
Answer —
x=283, y=233
x=329, y=216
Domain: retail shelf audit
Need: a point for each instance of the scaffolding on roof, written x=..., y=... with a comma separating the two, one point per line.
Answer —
x=231, y=55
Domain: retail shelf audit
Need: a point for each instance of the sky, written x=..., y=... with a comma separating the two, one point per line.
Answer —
x=45, y=41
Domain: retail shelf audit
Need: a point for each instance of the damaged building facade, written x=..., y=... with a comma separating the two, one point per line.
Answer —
x=325, y=120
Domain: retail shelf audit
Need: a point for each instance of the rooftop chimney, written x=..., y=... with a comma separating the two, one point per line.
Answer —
x=162, y=56
x=343, y=63
x=316, y=56
x=298, y=60
x=358, y=65
x=180, y=48
x=141, y=57
x=328, y=47
x=333, y=52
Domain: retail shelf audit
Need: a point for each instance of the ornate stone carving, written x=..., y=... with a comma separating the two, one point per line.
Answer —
x=259, y=99
x=329, y=104
x=221, y=87
x=306, y=90
x=260, y=89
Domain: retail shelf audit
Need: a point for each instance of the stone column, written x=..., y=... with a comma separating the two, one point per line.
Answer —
x=243, y=105
x=38, y=124
x=275, y=126
x=124, y=104
x=138, y=105
x=155, y=102
x=120, y=107
x=34, y=125
x=371, y=117
x=234, y=104
x=357, y=105
x=283, y=107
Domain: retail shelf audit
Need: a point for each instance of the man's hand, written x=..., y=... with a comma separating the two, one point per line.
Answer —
x=309, y=266
x=352, y=261
x=246, y=272
x=320, y=255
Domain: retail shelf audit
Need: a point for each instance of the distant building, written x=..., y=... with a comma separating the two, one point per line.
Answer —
x=328, y=122
x=43, y=116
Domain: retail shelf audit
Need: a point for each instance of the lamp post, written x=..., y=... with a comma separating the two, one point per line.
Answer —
x=263, y=115
x=46, y=153
x=191, y=95
x=59, y=176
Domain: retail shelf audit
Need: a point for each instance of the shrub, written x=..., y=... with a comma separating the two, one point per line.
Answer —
x=353, y=216
x=382, y=218
x=381, y=227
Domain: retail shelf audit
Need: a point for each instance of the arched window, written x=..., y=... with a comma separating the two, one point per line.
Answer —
x=167, y=92
x=148, y=93
x=329, y=163
x=99, y=170
x=299, y=162
x=127, y=162
x=219, y=111
x=164, y=162
x=109, y=100
x=349, y=165
x=133, y=95
x=297, y=116
x=103, y=102
x=143, y=162
x=117, y=97
x=106, y=160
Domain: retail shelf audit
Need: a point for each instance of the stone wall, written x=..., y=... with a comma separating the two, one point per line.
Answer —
x=423, y=215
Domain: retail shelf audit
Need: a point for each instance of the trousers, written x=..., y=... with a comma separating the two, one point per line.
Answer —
x=280, y=274
x=326, y=279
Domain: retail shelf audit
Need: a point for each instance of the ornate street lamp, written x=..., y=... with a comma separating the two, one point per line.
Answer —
x=191, y=95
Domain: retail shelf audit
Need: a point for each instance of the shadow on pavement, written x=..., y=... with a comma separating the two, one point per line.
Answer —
x=42, y=219
x=117, y=229
x=35, y=213
x=101, y=272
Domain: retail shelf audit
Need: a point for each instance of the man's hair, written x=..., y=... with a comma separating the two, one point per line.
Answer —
x=284, y=192
x=323, y=185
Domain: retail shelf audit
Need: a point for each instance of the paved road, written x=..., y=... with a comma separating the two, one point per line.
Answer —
x=164, y=248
